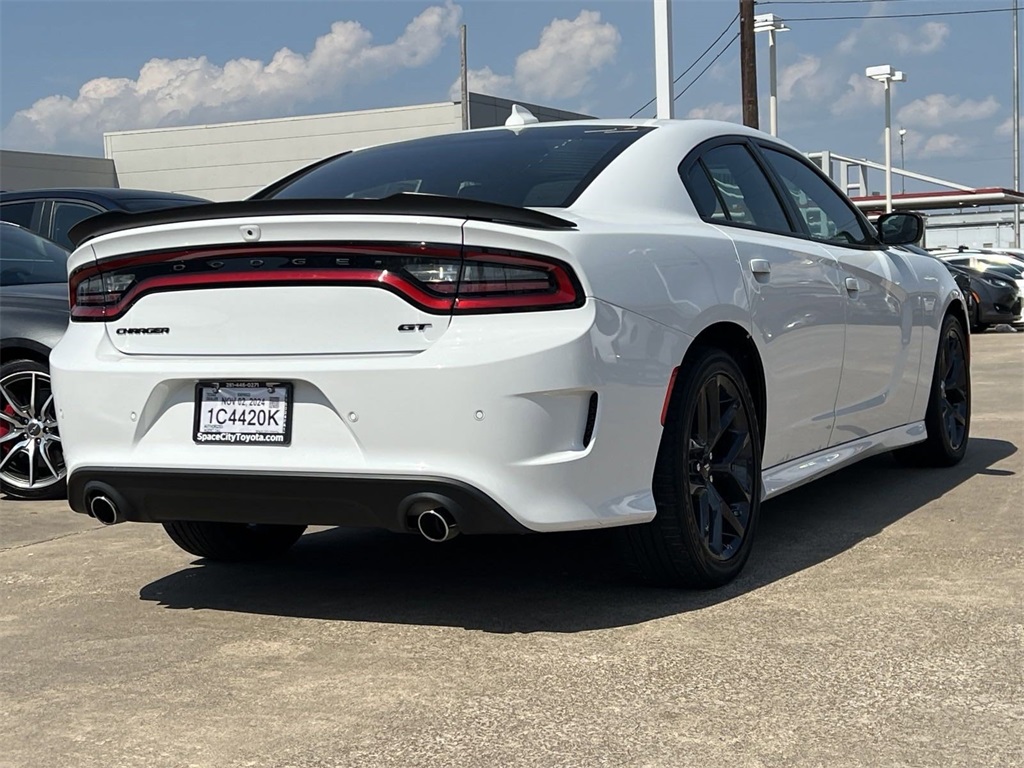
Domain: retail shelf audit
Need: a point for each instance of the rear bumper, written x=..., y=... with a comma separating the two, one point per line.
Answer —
x=146, y=495
x=500, y=404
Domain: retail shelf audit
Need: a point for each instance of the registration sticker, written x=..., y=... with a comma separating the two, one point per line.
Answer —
x=243, y=413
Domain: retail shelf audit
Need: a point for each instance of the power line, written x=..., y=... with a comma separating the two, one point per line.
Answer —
x=899, y=15
x=694, y=64
x=710, y=64
x=825, y=2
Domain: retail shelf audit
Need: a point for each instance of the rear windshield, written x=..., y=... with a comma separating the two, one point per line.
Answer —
x=136, y=205
x=542, y=167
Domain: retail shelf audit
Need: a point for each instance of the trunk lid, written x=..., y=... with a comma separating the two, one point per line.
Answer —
x=278, y=285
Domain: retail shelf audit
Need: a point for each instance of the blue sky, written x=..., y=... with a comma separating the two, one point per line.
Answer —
x=70, y=70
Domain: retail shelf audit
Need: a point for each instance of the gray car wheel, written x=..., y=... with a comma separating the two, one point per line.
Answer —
x=31, y=457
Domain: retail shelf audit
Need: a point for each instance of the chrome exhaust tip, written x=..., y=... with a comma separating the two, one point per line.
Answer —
x=105, y=510
x=437, y=525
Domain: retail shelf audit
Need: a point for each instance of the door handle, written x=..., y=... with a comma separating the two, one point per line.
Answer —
x=761, y=267
x=852, y=286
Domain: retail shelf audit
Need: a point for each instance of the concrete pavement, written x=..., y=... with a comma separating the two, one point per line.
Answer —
x=879, y=623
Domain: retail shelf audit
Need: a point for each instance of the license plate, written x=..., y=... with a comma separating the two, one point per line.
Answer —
x=243, y=413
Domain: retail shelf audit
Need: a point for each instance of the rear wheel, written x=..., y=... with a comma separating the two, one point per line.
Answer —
x=233, y=542
x=948, y=418
x=31, y=459
x=707, y=480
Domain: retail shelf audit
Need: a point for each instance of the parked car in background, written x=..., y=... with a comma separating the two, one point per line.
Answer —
x=993, y=264
x=1017, y=253
x=992, y=299
x=53, y=212
x=33, y=317
x=652, y=325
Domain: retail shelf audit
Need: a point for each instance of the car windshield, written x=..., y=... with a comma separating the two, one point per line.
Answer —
x=1011, y=271
x=27, y=259
x=541, y=167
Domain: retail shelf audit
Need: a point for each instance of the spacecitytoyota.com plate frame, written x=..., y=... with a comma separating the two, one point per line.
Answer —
x=287, y=387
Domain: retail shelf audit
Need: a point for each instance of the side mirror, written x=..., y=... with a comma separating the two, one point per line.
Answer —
x=900, y=228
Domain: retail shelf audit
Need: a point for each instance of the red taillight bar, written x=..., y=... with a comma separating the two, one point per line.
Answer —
x=555, y=287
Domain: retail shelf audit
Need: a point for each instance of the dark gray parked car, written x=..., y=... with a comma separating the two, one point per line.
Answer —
x=53, y=212
x=33, y=317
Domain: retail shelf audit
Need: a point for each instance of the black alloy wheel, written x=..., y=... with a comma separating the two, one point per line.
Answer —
x=720, y=466
x=948, y=417
x=31, y=456
x=707, y=482
x=954, y=393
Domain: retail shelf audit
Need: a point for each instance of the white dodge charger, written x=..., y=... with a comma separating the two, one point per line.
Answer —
x=654, y=325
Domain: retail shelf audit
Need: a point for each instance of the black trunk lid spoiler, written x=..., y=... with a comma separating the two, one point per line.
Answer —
x=403, y=203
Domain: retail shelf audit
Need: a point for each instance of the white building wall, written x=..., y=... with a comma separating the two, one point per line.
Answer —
x=991, y=228
x=35, y=170
x=230, y=161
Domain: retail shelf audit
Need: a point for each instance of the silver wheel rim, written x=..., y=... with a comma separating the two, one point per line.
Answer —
x=31, y=457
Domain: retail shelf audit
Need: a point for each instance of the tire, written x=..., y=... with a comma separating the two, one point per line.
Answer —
x=233, y=542
x=948, y=417
x=32, y=463
x=692, y=542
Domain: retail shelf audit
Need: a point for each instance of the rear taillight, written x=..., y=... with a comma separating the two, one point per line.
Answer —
x=435, y=278
x=501, y=281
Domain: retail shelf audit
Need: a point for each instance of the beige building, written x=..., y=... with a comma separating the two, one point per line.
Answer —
x=32, y=170
x=230, y=161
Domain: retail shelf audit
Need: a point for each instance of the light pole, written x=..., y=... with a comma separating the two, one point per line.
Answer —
x=886, y=75
x=666, y=104
x=770, y=23
x=903, y=164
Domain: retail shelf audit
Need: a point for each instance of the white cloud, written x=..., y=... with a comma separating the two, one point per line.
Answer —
x=717, y=111
x=945, y=145
x=569, y=52
x=861, y=92
x=803, y=78
x=170, y=92
x=485, y=81
x=560, y=67
x=1005, y=128
x=850, y=41
x=930, y=37
x=939, y=109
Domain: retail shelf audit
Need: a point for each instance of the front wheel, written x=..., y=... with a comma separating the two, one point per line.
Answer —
x=31, y=459
x=948, y=417
x=233, y=542
x=707, y=480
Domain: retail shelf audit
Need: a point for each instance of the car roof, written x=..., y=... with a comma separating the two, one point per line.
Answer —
x=108, y=195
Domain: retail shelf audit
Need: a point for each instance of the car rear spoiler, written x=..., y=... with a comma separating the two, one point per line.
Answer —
x=410, y=203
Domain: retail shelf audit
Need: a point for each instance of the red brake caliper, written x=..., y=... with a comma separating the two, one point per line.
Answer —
x=4, y=429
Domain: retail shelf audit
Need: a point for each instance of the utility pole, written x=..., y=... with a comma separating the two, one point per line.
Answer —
x=748, y=63
x=1016, y=128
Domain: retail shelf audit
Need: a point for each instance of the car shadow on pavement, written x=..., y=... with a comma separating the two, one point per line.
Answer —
x=553, y=582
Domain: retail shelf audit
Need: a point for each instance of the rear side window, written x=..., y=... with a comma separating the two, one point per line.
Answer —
x=18, y=213
x=542, y=166
x=702, y=191
x=748, y=195
x=27, y=259
x=827, y=215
